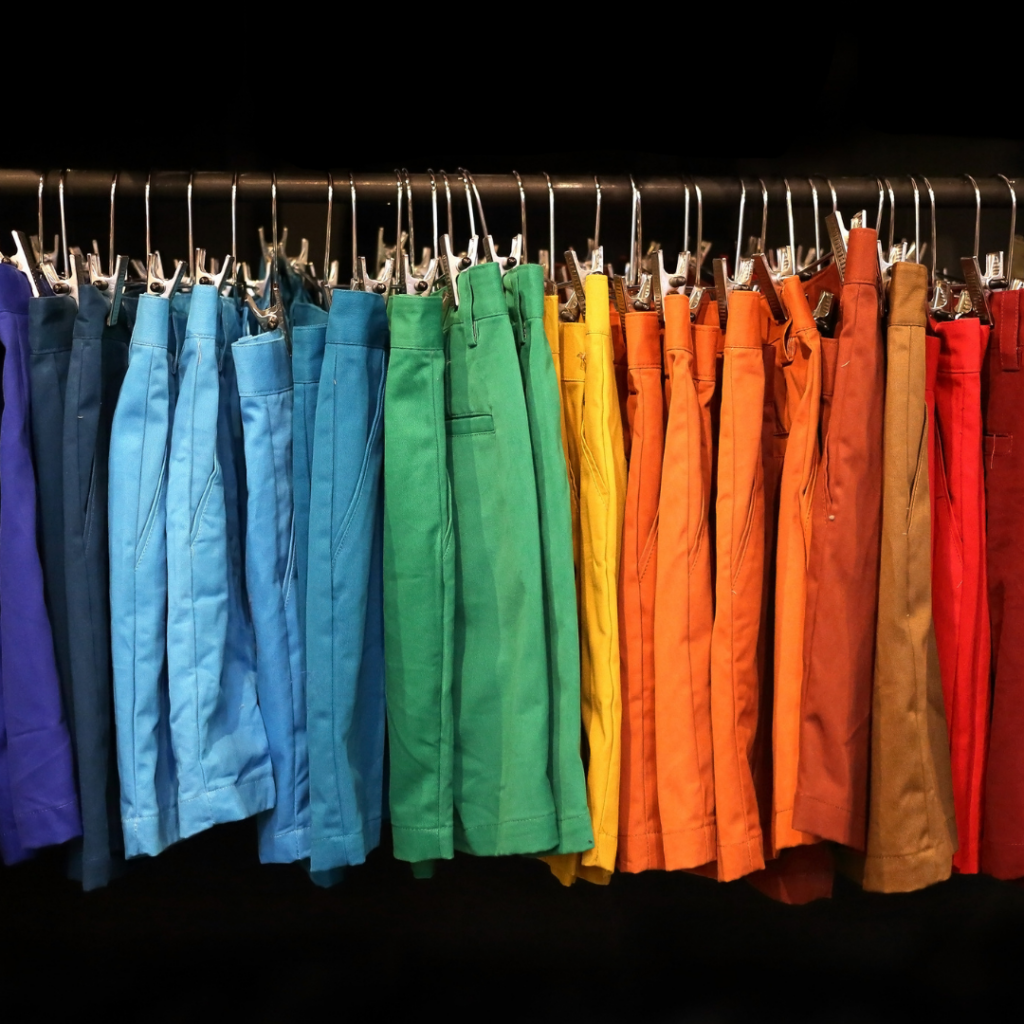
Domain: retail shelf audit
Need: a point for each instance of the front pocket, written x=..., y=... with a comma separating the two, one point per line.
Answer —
x=920, y=470
x=204, y=501
x=473, y=423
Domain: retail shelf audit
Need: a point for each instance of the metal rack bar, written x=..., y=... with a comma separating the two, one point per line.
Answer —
x=852, y=193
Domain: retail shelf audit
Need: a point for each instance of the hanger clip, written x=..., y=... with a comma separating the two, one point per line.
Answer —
x=839, y=236
x=505, y=263
x=156, y=283
x=665, y=283
x=112, y=285
x=975, y=289
x=452, y=266
x=24, y=260
x=69, y=285
x=826, y=313
x=212, y=276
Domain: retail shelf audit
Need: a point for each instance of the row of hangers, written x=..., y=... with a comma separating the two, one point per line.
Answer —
x=643, y=285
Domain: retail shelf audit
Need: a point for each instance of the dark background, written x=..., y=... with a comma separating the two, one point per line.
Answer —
x=204, y=930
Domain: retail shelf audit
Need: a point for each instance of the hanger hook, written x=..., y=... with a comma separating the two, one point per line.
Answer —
x=817, y=220
x=700, y=230
x=433, y=205
x=977, y=214
x=234, y=219
x=522, y=216
x=149, y=247
x=113, y=193
x=764, y=215
x=479, y=204
x=355, y=245
x=881, y=205
x=931, y=199
x=789, y=216
x=686, y=216
x=469, y=201
x=39, y=211
x=551, y=226
x=273, y=231
x=1013, y=226
x=635, y=230
x=399, y=248
x=63, y=224
x=892, y=213
x=408, y=213
x=597, y=213
x=327, y=234
x=448, y=198
x=191, y=250
x=739, y=226
x=917, y=219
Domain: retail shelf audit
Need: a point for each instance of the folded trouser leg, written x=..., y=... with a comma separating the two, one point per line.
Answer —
x=139, y=445
x=1002, y=850
x=39, y=752
x=738, y=586
x=962, y=628
x=419, y=594
x=309, y=334
x=682, y=608
x=524, y=296
x=51, y=324
x=220, y=742
x=801, y=365
x=264, y=379
x=911, y=822
x=98, y=362
x=842, y=570
x=640, y=840
x=502, y=792
x=344, y=604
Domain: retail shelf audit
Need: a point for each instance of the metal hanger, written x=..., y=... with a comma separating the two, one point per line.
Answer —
x=490, y=253
x=999, y=265
x=838, y=234
x=329, y=282
x=111, y=284
x=427, y=253
x=272, y=317
x=546, y=257
x=973, y=301
x=817, y=227
x=74, y=269
x=249, y=285
x=941, y=291
x=361, y=280
x=453, y=264
x=784, y=262
x=156, y=283
x=215, y=274
x=433, y=206
x=522, y=216
x=407, y=281
x=917, y=221
x=27, y=255
x=761, y=271
x=743, y=279
x=1012, y=283
x=40, y=255
x=634, y=291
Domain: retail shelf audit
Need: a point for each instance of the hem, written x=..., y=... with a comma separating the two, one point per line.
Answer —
x=283, y=847
x=564, y=866
x=907, y=872
x=233, y=802
x=48, y=826
x=574, y=834
x=1004, y=861
x=838, y=824
x=505, y=838
x=150, y=835
x=422, y=844
x=330, y=852
x=602, y=856
x=685, y=851
x=743, y=858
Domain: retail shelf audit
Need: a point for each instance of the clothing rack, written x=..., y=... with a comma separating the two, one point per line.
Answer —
x=851, y=192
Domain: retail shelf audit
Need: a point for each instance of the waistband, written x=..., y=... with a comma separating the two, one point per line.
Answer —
x=748, y=321
x=962, y=344
x=305, y=314
x=262, y=365
x=416, y=321
x=152, y=322
x=796, y=303
x=862, y=257
x=678, y=330
x=643, y=339
x=14, y=290
x=481, y=294
x=204, y=311
x=93, y=308
x=524, y=291
x=908, y=295
x=51, y=322
x=358, y=318
x=595, y=289
x=708, y=342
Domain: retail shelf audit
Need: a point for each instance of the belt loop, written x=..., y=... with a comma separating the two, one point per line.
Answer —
x=1008, y=328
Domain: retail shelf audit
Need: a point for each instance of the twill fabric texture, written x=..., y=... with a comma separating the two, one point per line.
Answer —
x=960, y=602
x=99, y=358
x=911, y=822
x=51, y=324
x=683, y=606
x=38, y=802
x=524, y=297
x=344, y=591
x=738, y=587
x=220, y=742
x=842, y=571
x=640, y=843
x=1002, y=847
x=137, y=488
x=263, y=373
x=501, y=693
x=419, y=584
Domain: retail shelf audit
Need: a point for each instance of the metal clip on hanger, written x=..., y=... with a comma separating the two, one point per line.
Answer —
x=725, y=285
x=427, y=253
x=28, y=253
x=977, y=300
x=272, y=317
x=39, y=254
x=111, y=284
x=453, y=264
x=762, y=273
x=217, y=276
x=546, y=257
x=941, y=291
x=361, y=280
x=329, y=281
x=1009, y=281
x=490, y=254
x=784, y=264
